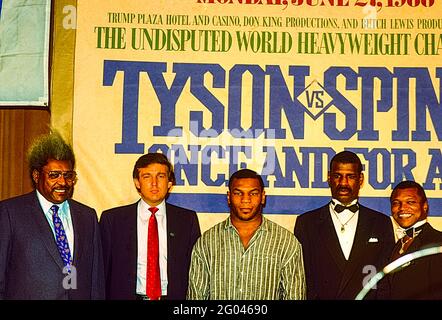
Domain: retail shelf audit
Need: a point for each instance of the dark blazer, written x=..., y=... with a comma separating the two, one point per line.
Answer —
x=120, y=250
x=30, y=264
x=328, y=274
x=422, y=277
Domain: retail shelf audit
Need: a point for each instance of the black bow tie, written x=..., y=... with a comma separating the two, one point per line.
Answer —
x=353, y=208
x=412, y=232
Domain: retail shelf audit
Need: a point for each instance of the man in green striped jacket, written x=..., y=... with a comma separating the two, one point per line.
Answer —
x=246, y=257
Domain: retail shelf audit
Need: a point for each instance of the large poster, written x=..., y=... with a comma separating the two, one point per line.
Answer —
x=24, y=52
x=273, y=85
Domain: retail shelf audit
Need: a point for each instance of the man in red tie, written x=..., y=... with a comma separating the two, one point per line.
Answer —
x=422, y=278
x=147, y=244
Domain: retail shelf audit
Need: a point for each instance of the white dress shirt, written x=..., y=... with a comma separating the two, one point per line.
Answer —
x=64, y=213
x=347, y=220
x=143, y=215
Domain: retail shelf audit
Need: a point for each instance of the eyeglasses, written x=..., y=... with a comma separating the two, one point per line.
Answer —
x=67, y=175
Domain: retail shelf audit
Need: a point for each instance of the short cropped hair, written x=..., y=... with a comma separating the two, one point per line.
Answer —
x=408, y=184
x=48, y=147
x=150, y=158
x=244, y=174
x=347, y=157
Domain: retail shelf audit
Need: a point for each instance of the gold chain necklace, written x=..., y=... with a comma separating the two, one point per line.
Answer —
x=343, y=224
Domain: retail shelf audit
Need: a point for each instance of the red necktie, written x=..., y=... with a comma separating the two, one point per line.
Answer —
x=153, y=283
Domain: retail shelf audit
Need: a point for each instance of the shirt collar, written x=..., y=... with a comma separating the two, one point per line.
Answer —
x=263, y=226
x=145, y=213
x=335, y=202
x=401, y=232
x=46, y=205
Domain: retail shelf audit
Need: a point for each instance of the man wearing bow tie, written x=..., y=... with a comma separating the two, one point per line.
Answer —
x=147, y=244
x=422, y=278
x=343, y=240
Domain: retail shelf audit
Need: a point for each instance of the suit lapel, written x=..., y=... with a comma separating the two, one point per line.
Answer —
x=44, y=230
x=418, y=242
x=422, y=239
x=172, y=227
x=76, y=224
x=329, y=237
x=130, y=224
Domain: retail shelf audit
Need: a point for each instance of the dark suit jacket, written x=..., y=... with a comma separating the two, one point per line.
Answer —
x=328, y=274
x=120, y=250
x=421, y=278
x=30, y=264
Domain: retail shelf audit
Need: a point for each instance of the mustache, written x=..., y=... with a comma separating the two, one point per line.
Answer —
x=62, y=187
x=69, y=189
x=344, y=189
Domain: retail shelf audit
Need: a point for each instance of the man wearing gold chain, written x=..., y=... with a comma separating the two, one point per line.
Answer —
x=343, y=241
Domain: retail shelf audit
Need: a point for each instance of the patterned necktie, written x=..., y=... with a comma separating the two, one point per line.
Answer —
x=153, y=282
x=60, y=237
